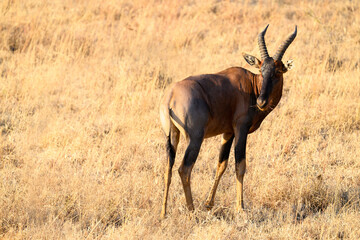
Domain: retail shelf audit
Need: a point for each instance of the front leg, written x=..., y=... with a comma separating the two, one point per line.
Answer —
x=240, y=163
x=227, y=140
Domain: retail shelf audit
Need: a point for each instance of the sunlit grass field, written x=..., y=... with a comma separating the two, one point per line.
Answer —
x=82, y=154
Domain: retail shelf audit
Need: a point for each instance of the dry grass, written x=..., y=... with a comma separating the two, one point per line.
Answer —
x=81, y=150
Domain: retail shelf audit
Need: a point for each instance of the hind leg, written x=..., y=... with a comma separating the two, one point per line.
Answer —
x=226, y=143
x=171, y=147
x=186, y=166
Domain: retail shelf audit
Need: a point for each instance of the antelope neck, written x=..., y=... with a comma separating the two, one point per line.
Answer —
x=257, y=81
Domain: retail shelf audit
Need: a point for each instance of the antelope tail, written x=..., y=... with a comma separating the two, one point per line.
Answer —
x=169, y=148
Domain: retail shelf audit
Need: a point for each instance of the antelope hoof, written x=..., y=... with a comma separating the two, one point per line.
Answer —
x=162, y=215
x=191, y=208
x=240, y=208
x=208, y=205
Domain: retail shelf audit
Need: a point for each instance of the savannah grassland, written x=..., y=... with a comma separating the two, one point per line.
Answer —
x=82, y=154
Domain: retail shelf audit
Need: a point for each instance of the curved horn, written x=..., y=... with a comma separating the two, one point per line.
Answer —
x=280, y=52
x=262, y=46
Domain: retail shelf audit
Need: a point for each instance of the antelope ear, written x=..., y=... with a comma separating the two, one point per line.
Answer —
x=253, y=61
x=289, y=65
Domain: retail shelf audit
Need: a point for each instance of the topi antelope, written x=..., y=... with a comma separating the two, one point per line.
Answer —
x=233, y=103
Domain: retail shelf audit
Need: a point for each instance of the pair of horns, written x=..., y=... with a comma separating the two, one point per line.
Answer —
x=280, y=52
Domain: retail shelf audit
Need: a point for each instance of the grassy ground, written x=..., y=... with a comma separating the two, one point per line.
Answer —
x=81, y=150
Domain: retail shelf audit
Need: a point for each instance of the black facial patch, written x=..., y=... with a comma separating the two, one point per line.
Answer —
x=267, y=72
x=268, y=68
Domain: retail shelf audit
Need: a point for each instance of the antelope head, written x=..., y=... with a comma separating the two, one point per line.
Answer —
x=271, y=68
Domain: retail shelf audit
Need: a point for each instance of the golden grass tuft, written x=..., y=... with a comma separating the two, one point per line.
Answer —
x=81, y=150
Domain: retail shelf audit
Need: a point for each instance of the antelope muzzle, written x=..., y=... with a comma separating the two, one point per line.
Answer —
x=261, y=103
